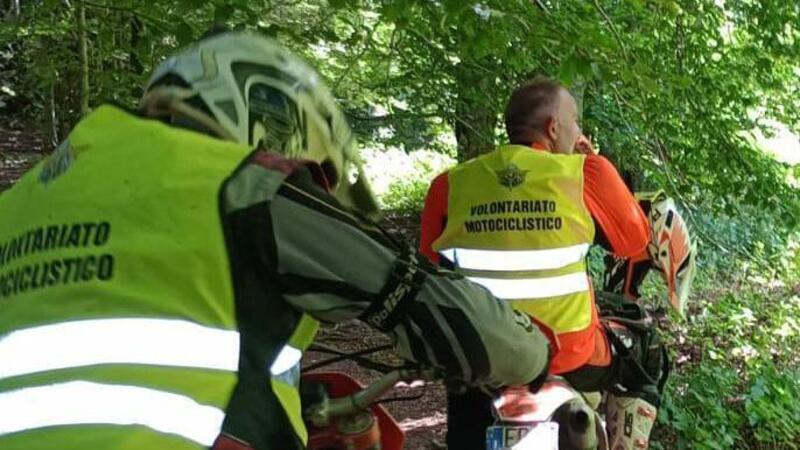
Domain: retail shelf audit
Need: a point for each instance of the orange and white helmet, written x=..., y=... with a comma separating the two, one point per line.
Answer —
x=671, y=249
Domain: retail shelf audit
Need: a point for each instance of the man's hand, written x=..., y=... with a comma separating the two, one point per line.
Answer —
x=584, y=146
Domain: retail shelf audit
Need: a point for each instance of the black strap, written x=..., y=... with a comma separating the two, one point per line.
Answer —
x=631, y=359
x=402, y=286
x=632, y=362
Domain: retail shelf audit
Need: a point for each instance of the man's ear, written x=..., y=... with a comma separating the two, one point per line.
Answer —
x=551, y=129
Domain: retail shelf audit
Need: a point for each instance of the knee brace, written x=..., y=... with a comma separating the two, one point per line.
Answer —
x=629, y=421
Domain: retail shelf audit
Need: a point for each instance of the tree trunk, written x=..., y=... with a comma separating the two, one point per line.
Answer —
x=578, y=91
x=54, y=141
x=84, y=56
x=13, y=9
x=476, y=114
x=135, y=64
x=10, y=9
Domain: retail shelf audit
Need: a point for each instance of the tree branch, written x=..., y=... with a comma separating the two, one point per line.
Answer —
x=542, y=6
x=83, y=56
x=355, y=60
x=613, y=29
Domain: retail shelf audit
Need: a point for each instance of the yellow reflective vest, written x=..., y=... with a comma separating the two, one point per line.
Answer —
x=118, y=317
x=517, y=224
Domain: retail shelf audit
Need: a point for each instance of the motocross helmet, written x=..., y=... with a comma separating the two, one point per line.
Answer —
x=671, y=249
x=247, y=88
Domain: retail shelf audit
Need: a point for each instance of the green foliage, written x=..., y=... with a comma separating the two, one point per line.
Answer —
x=747, y=242
x=402, y=180
x=736, y=383
x=699, y=409
x=596, y=265
x=772, y=409
x=406, y=195
x=711, y=407
x=666, y=89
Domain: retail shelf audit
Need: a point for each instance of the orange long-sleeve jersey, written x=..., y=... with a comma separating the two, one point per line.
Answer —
x=621, y=225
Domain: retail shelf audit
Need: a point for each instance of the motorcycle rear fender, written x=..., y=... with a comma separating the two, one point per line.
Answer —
x=518, y=404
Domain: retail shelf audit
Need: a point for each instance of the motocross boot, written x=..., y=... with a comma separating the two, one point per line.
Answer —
x=629, y=421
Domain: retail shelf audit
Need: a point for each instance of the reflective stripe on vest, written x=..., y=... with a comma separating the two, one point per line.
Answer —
x=82, y=402
x=285, y=371
x=118, y=341
x=114, y=341
x=126, y=341
x=507, y=260
x=535, y=288
x=288, y=358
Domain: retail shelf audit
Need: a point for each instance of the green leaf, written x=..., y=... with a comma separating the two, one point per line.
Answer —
x=393, y=10
x=573, y=68
x=223, y=13
x=339, y=4
x=184, y=34
x=454, y=6
x=597, y=71
x=191, y=5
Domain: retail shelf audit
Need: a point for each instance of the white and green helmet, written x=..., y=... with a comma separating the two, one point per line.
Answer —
x=258, y=93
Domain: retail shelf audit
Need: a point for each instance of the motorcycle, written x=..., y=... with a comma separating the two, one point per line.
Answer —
x=345, y=415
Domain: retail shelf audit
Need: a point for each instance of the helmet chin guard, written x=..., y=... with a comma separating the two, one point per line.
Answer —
x=671, y=249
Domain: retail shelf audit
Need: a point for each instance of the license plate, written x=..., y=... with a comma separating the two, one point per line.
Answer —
x=542, y=436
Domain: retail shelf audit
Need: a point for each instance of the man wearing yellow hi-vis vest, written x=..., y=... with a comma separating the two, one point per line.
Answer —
x=163, y=270
x=519, y=221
